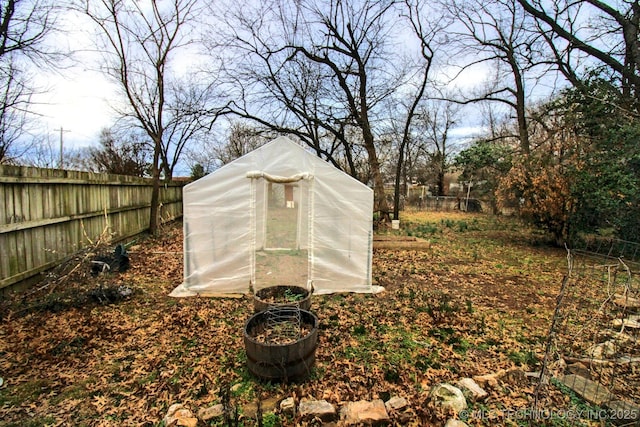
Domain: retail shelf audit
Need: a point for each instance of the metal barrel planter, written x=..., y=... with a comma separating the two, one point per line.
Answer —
x=282, y=296
x=281, y=343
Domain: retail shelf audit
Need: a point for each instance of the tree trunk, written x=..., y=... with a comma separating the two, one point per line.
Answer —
x=380, y=198
x=440, y=183
x=155, y=192
x=399, y=176
x=521, y=111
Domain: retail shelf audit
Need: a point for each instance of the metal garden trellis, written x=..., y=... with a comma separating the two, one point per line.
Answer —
x=592, y=344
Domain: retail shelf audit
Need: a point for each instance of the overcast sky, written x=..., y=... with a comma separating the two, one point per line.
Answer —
x=77, y=102
x=72, y=96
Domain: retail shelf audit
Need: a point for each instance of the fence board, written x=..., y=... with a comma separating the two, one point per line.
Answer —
x=4, y=260
x=47, y=215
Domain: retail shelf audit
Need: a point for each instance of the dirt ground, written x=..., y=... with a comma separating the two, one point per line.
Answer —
x=274, y=268
x=462, y=301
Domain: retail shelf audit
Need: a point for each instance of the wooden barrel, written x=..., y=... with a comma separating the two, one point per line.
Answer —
x=270, y=360
x=287, y=296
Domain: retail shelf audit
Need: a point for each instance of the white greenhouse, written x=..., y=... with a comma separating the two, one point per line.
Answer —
x=277, y=216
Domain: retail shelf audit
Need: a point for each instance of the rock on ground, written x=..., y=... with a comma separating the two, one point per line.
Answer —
x=591, y=391
x=178, y=415
x=396, y=403
x=471, y=389
x=288, y=406
x=447, y=397
x=215, y=411
x=364, y=412
x=317, y=408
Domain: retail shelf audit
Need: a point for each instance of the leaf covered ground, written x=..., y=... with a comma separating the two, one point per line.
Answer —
x=474, y=295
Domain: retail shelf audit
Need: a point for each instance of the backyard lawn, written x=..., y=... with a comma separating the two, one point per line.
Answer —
x=473, y=295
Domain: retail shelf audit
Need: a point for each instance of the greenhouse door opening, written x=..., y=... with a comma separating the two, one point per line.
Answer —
x=281, y=254
x=282, y=218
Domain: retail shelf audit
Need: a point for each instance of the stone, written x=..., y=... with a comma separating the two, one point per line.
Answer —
x=269, y=404
x=591, y=391
x=396, y=403
x=490, y=380
x=178, y=415
x=579, y=368
x=455, y=423
x=364, y=412
x=447, y=397
x=631, y=322
x=602, y=350
x=215, y=411
x=124, y=291
x=288, y=406
x=626, y=301
x=471, y=389
x=250, y=410
x=317, y=409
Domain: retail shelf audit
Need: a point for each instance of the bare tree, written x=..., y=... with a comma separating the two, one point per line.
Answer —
x=124, y=155
x=283, y=93
x=348, y=47
x=241, y=140
x=320, y=70
x=607, y=32
x=434, y=122
x=24, y=28
x=190, y=116
x=425, y=33
x=201, y=153
x=498, y=33
x=15, y=97
x=138, y=41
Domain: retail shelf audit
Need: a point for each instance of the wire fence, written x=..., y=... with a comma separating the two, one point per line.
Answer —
x=593, y=347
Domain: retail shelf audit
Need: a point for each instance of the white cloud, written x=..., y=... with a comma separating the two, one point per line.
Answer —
x=465, y=79
x=78, y=103
x=466, y=131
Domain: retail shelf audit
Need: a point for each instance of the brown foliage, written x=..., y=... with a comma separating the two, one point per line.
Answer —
x=539, y=192
x=538, y=185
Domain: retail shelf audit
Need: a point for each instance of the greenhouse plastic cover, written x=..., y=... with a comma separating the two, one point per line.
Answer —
x=278, y=215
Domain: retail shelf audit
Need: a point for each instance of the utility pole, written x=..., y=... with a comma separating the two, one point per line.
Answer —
x=62, y=131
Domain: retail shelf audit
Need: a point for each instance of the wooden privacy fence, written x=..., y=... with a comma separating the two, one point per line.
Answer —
x=46, y=215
